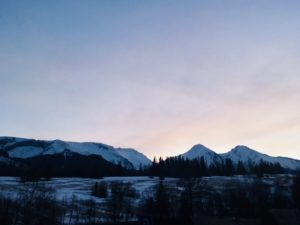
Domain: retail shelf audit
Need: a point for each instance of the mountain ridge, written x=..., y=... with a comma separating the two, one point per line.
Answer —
x=245, y=154
x=27, y=148
x=130, y=158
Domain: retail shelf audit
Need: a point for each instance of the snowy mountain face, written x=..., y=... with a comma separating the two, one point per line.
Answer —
x=199, y=151
x=245, y=155
x=27, y=148
x=239, y=153
x=136, y=158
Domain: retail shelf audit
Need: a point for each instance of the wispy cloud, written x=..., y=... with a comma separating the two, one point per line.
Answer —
x=157, y=76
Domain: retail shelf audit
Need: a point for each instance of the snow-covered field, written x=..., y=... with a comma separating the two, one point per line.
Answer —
x=66, y=188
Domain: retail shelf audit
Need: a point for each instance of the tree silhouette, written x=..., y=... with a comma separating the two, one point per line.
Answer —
x=296, y=191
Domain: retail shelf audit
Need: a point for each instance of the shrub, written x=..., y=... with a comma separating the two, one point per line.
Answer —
x=99, y=190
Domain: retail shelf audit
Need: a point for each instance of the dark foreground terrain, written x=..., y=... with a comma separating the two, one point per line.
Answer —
x=145, y=200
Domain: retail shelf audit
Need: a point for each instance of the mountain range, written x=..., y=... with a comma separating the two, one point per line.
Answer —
x=240, y=153
x=12, y=148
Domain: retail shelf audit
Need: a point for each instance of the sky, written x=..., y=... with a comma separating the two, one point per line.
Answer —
x=157, y=76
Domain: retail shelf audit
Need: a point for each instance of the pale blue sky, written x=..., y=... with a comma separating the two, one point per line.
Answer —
x=159, y=76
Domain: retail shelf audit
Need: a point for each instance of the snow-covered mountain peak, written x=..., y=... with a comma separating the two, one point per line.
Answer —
x=242, y=148
x=246, y=154
x=244, y=151
x=199, y=151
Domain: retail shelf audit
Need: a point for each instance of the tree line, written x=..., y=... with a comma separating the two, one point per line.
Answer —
x=181, y=167
x=95, y=166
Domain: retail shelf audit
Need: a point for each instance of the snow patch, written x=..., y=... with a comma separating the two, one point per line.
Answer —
x=25, y=152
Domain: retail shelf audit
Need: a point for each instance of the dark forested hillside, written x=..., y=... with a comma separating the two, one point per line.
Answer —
x=70, y=164
x=62, y=165
x=182, y=167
